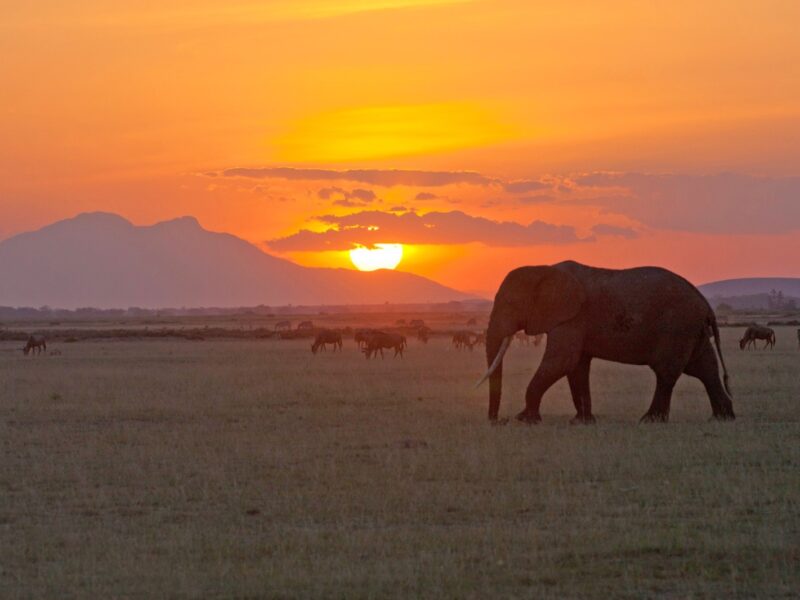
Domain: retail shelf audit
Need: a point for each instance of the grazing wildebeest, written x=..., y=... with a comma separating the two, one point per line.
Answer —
x=283, y=325
x=757, y=332
x=304, y=325
x=423, y=334
x=467, y=339
x=36, y=343
x=361, y=336
x=378, y=340
x=417, y=323
x=327, y=336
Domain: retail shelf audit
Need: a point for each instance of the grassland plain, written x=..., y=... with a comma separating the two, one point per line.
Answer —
x=254, y=469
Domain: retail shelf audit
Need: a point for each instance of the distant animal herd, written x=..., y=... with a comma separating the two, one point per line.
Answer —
x=372, y=342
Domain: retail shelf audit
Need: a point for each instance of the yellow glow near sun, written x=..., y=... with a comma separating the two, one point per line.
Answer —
x=382, y=256
x=386, y=131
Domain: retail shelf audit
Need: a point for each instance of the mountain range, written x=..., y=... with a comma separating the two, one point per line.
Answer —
x=790, y=286
x=102, y=260
x=760, y=293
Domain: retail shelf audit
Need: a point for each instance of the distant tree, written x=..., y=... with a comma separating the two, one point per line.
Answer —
x=777, y=301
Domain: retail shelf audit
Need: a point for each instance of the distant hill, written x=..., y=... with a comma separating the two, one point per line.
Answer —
x=755, y=292
x=102, y=260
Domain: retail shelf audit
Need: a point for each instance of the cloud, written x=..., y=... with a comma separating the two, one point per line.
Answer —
x=614, y=230
x=328, y=192
x=536, y=199
x=357, y=197
x=523, y=186
x=347, y=203
x=454, y=227
x=726, y=203
x=425, y=196
x=363, y=195
x=380, y=177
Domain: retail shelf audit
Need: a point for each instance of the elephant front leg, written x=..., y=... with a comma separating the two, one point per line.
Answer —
x=547, y=374
x=581, y=395
x=561, y=356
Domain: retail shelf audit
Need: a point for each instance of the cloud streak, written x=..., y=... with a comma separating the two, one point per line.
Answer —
x=454, y=227
x=726, y=203
x=347, y=198
x=614, y=231
x=379, y=177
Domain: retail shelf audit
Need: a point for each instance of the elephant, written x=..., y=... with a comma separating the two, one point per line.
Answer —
x=640, y=316
x=757, y=332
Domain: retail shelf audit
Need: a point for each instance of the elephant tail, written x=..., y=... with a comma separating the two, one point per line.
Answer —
x=715, y=331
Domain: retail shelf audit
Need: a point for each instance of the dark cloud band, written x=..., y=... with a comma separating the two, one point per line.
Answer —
x=381, y=177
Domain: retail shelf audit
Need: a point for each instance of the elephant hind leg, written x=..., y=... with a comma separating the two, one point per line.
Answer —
x=659, y=407
x=581, y=395
x=704, y=367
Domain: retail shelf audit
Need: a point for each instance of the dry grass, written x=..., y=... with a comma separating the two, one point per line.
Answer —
x=254, y=469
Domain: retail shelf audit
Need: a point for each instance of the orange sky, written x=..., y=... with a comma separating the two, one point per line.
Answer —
x=695, y=107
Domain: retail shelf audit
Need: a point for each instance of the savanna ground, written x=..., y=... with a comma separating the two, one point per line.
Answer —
x=170, y=468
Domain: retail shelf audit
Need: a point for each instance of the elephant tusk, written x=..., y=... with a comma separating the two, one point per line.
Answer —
x=497, y=360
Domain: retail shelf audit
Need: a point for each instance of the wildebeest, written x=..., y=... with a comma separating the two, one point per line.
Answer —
x=305, y=325
x=378, y=340
x=417, y=323
x=283, y=325
x=327, y=336
x=361, y=336
x=36, y=343
x=423, y=334
x=463, y=339
x=757, y=332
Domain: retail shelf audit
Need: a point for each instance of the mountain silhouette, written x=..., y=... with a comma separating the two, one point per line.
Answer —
x=755, y=293
x=790, y=286
x=102, y=260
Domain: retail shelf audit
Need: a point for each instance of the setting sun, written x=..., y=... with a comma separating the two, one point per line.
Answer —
x=382, y=256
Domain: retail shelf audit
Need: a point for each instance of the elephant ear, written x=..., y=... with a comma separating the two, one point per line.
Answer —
x=557, y=298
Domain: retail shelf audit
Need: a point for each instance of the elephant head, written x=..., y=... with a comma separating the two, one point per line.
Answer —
x=535, y=299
